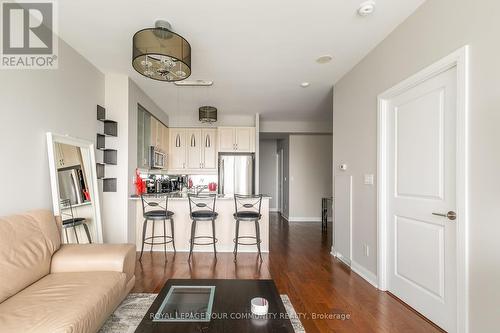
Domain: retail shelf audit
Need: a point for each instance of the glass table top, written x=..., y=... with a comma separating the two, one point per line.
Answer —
x=186, y=304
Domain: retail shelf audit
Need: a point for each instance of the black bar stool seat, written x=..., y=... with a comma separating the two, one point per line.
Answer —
x=76, y=221
x=204, y=215
x=247, y=215
x=158, y=214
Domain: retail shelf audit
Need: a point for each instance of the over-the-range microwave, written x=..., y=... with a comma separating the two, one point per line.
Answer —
x=158, y=159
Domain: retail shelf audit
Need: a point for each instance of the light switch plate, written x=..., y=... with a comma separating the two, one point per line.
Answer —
x=369, y=179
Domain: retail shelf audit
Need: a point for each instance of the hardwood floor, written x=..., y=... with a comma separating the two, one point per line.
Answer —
x=302, y=267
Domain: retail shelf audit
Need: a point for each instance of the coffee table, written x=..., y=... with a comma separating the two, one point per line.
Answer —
x=230, y=311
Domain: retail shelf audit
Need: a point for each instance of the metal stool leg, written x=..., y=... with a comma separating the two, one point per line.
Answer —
x=152, y=236
x=172, y=231
x=193, y=233
x=76, y=234
x=87, y=232
x=236, y=235
x=144, y=228
x=165, y=239
x=257, y=235
x=213, y=237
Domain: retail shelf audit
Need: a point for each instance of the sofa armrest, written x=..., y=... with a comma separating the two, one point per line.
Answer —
x=94, y=257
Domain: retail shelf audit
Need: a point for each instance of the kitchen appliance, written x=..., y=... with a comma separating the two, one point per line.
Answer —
x=157, y=158
x=71, y=184
x=236, y=173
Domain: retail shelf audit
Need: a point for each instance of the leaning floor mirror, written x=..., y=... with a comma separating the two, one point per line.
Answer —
x=75, y=192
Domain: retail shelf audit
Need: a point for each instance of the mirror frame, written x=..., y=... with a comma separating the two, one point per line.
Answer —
x=52, y=139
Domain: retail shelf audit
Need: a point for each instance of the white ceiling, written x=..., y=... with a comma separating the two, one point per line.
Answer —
x=257, y=52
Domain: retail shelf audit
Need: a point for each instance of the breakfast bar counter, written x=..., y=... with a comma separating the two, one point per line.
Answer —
x=224, y=225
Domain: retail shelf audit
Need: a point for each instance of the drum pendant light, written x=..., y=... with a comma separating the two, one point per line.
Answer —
x=207, y=114
x=160, y=54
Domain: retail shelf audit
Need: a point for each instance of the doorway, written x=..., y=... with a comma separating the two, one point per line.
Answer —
x=422, y=191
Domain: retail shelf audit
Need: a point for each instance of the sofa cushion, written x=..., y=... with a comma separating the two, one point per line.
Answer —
x=27, y=242
x=64, y=302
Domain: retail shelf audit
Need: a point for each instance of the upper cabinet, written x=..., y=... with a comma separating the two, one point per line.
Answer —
x=150, y=132
x=237, y=139
x=67, y=156
x=193, y=149
x=177, y=152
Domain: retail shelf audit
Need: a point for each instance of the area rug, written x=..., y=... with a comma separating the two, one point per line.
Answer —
x=130, y=312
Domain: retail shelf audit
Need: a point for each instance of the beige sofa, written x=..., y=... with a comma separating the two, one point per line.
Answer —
x=49, y=287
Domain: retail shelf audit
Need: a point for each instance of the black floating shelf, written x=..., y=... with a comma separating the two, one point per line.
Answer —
x=101, y=141
x=100, y=170
x=110, y=128
x=109, y=185
x=110, y=156
x=101, y=113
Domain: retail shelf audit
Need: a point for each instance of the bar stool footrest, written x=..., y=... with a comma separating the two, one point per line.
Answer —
x=205, y=237
x=247, y=237
x=170, y=239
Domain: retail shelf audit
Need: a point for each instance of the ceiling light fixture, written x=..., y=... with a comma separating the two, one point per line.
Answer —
x=194, y=83
x=324, y=59
x=305, y=84
x=207, y=114
x=366, y=8
x=161, y=54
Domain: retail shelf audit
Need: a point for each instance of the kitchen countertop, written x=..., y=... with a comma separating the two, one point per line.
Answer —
x=183, y=196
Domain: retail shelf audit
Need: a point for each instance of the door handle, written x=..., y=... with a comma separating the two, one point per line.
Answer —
x=451, y=215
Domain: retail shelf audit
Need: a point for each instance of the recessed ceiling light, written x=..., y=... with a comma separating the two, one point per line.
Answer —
x=366, y=8
x=324, y=59
x=305, y=84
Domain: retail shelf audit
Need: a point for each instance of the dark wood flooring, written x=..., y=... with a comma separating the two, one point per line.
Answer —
x=328, y=296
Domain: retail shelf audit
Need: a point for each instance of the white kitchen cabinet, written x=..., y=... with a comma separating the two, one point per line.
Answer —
x=194, y=151
x=156, y=133
x=177, y=152
x=209, y=148
x=237, y=139
x=67, y=156
x=165, y=145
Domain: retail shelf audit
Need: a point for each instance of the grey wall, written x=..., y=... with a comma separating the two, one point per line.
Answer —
x=268, y=170
x=310, y=169
x=35, y=102
x=436, y=29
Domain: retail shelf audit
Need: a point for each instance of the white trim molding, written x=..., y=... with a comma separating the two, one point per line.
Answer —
x=458, y=60
x=364, y=273
x=304, y=219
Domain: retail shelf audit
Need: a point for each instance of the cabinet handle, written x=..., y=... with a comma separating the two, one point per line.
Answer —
x=193, y=141
x=178, y=141
x=207, y=141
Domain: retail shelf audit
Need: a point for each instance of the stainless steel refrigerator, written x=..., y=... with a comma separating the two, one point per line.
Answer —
x=236, y=173
x=70, y=186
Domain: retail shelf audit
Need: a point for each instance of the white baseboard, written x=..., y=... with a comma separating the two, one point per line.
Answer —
x=304, y=219
x=357, y=268
x=364, y=273
x=273, y=210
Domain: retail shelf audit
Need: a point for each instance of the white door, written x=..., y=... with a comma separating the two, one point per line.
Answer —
x=226, y=139
x=421, y=156
x=194, y=149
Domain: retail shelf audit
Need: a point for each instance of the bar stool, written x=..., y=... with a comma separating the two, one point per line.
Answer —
x=72, y=221
x=202, y=208
x=247, y=210
x=153, y=211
